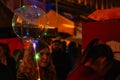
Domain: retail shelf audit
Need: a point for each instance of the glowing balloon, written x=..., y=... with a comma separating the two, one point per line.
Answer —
x=29, y=21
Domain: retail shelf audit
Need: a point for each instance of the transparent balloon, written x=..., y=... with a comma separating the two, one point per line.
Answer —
x=29, y=21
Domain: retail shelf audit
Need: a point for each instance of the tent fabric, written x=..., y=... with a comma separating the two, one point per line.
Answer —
x=63, y=24
x=58, y=21
x=105, y=14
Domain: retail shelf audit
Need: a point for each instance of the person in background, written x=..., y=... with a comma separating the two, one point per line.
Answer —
x=37, y=63
x=60, y=60
x=8, y=60
x=96, y=63
x=72, y=51
x=18, y=55
x=4, y=74
x=114, y=72
x=83, y=54
x=92, y=43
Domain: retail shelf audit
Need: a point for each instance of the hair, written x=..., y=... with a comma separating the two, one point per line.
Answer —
x=4, y=54
x=92, y=43
x=57, y=41
x=57, y=47
x=73, y=50
x=101, y=50
x=28, y=65
x=7, y=60
x=72, y=46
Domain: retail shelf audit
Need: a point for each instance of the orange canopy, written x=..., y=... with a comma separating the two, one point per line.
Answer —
x=58, y=21
x=106, y=14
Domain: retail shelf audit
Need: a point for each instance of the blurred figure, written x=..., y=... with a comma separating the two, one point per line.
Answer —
x=56, y=46
x=18, y=55
x=80, y=50
x=4, y=74
x=97, y=61
x=60, y=60
x=64, y=45
x=83, y=54
x=72, y=51
x=114, y=72
x=7, y=60
x=37, y=63
x=91, y=44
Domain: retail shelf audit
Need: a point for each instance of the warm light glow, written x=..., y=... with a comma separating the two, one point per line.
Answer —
x=40, y=26
x=50, y=27
x=85, y=2
x=80, y=1
x=19, y=19
x=38, y=79
x=67, y=25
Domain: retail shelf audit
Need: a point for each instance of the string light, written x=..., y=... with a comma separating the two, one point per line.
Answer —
x=37, y=56
x=45, y=33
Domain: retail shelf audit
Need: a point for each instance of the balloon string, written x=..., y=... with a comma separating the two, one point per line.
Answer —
x=36, y=59
x=38, y=69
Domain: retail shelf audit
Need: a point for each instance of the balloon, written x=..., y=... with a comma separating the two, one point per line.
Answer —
x=29, y=22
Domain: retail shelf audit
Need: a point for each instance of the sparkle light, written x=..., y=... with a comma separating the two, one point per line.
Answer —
x=37, y=55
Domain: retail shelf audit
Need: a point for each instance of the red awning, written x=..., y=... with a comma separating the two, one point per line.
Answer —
x=106, y=14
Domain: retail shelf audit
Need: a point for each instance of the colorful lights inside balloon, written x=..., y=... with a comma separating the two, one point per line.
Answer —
x=29, y=21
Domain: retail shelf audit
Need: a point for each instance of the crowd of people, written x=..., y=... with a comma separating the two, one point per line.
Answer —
x=61, y=61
